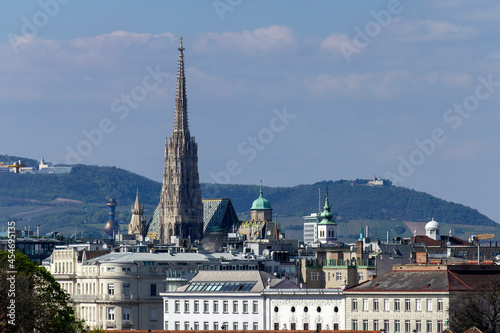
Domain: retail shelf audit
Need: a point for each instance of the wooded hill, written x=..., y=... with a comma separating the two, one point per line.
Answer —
x=90, y=187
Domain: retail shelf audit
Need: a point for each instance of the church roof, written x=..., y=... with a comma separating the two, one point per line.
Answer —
x=261, y=203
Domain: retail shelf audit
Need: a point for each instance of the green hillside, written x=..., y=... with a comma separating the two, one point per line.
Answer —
x=78, y=200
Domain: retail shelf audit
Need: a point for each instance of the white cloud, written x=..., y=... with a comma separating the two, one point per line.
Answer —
x=261, y=41
x=430, y=30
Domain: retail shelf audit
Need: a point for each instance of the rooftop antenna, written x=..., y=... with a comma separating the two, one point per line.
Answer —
x=319, y=200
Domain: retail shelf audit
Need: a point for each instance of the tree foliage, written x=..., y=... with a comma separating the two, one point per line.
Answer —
x=479, y=308
x=40, y=305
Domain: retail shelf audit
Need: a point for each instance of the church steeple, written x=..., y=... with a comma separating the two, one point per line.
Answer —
x=181, y=117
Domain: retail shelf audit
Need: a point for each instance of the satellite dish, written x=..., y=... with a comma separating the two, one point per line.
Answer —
x=265, y=252
x=104, y=246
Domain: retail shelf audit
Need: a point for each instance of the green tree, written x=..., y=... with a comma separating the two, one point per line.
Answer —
x=31, y=298
x=479, y=308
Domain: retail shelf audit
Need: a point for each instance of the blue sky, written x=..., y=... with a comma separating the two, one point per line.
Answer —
x=287, y=92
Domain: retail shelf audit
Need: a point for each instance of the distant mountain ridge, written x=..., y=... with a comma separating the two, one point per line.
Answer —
x=349, y=199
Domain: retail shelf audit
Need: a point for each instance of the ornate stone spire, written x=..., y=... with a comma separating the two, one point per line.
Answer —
x=181, y=208
x=181, y=117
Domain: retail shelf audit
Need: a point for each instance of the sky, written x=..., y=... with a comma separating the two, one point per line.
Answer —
x=284, y=92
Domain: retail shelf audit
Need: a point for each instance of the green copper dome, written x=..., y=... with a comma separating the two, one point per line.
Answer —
x=327, y=215
x=260, y=203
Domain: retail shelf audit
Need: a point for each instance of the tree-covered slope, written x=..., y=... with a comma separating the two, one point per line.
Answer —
x=349, y=199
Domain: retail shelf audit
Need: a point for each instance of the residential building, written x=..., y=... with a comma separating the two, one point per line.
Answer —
x=413, y=297
x=221, y=300
x=120, y=290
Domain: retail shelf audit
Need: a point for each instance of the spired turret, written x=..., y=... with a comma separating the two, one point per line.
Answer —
x=137, y=225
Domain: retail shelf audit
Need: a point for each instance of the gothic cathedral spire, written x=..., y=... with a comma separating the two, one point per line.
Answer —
x=181, y=208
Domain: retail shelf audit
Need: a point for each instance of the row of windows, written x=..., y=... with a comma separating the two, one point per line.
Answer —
x=186, y=308
x=214, y=326
x=427, y=326
x=386, y=305
x=126, y=314
x=306, y=309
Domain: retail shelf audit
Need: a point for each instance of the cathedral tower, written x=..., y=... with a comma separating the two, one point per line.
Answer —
x=181, y=208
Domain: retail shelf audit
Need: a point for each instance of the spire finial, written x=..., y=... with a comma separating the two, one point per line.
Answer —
x=180, y=47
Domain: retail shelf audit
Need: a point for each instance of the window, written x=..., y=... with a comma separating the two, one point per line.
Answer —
x=111, y=288
x=196, y=326
x=205, y=326
x=360, y=276
x=111, y=313
x=407, y=326
x=418, y=325
x=177, y=325
x=225, y=307
x=397, y=305
x=306, y=309
x=255, y=307
x=166, y=325
x=386, y=325
x=206, y=307
x=354, y=305
x=365, y=305
x=245, y=326
x=216, y=326
x=365, y=325
x=126, y=289
x=177, y=306
x=186, y=306
x=440, y=305
x=245, y=306
x=235, y=326
x=386, y=305
x=375, y=304
x=152, y=289
x=407, y=305
x=186, y=325
x=255, y=326
x=315, y=276
x=196, y=306
x=429, y=326
x=318, y=327
x=429, y=305
x=216, y=306
x=338, y=276
x=126, y=314
x=292, y=326
x=375, y=325
x=439, y=327
x=166, y=307
x=306, y=326
x=152, y=314
x=418, y=305
x=235, y=306
x=354, y=325
x=397, y=326
x=225, y=326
